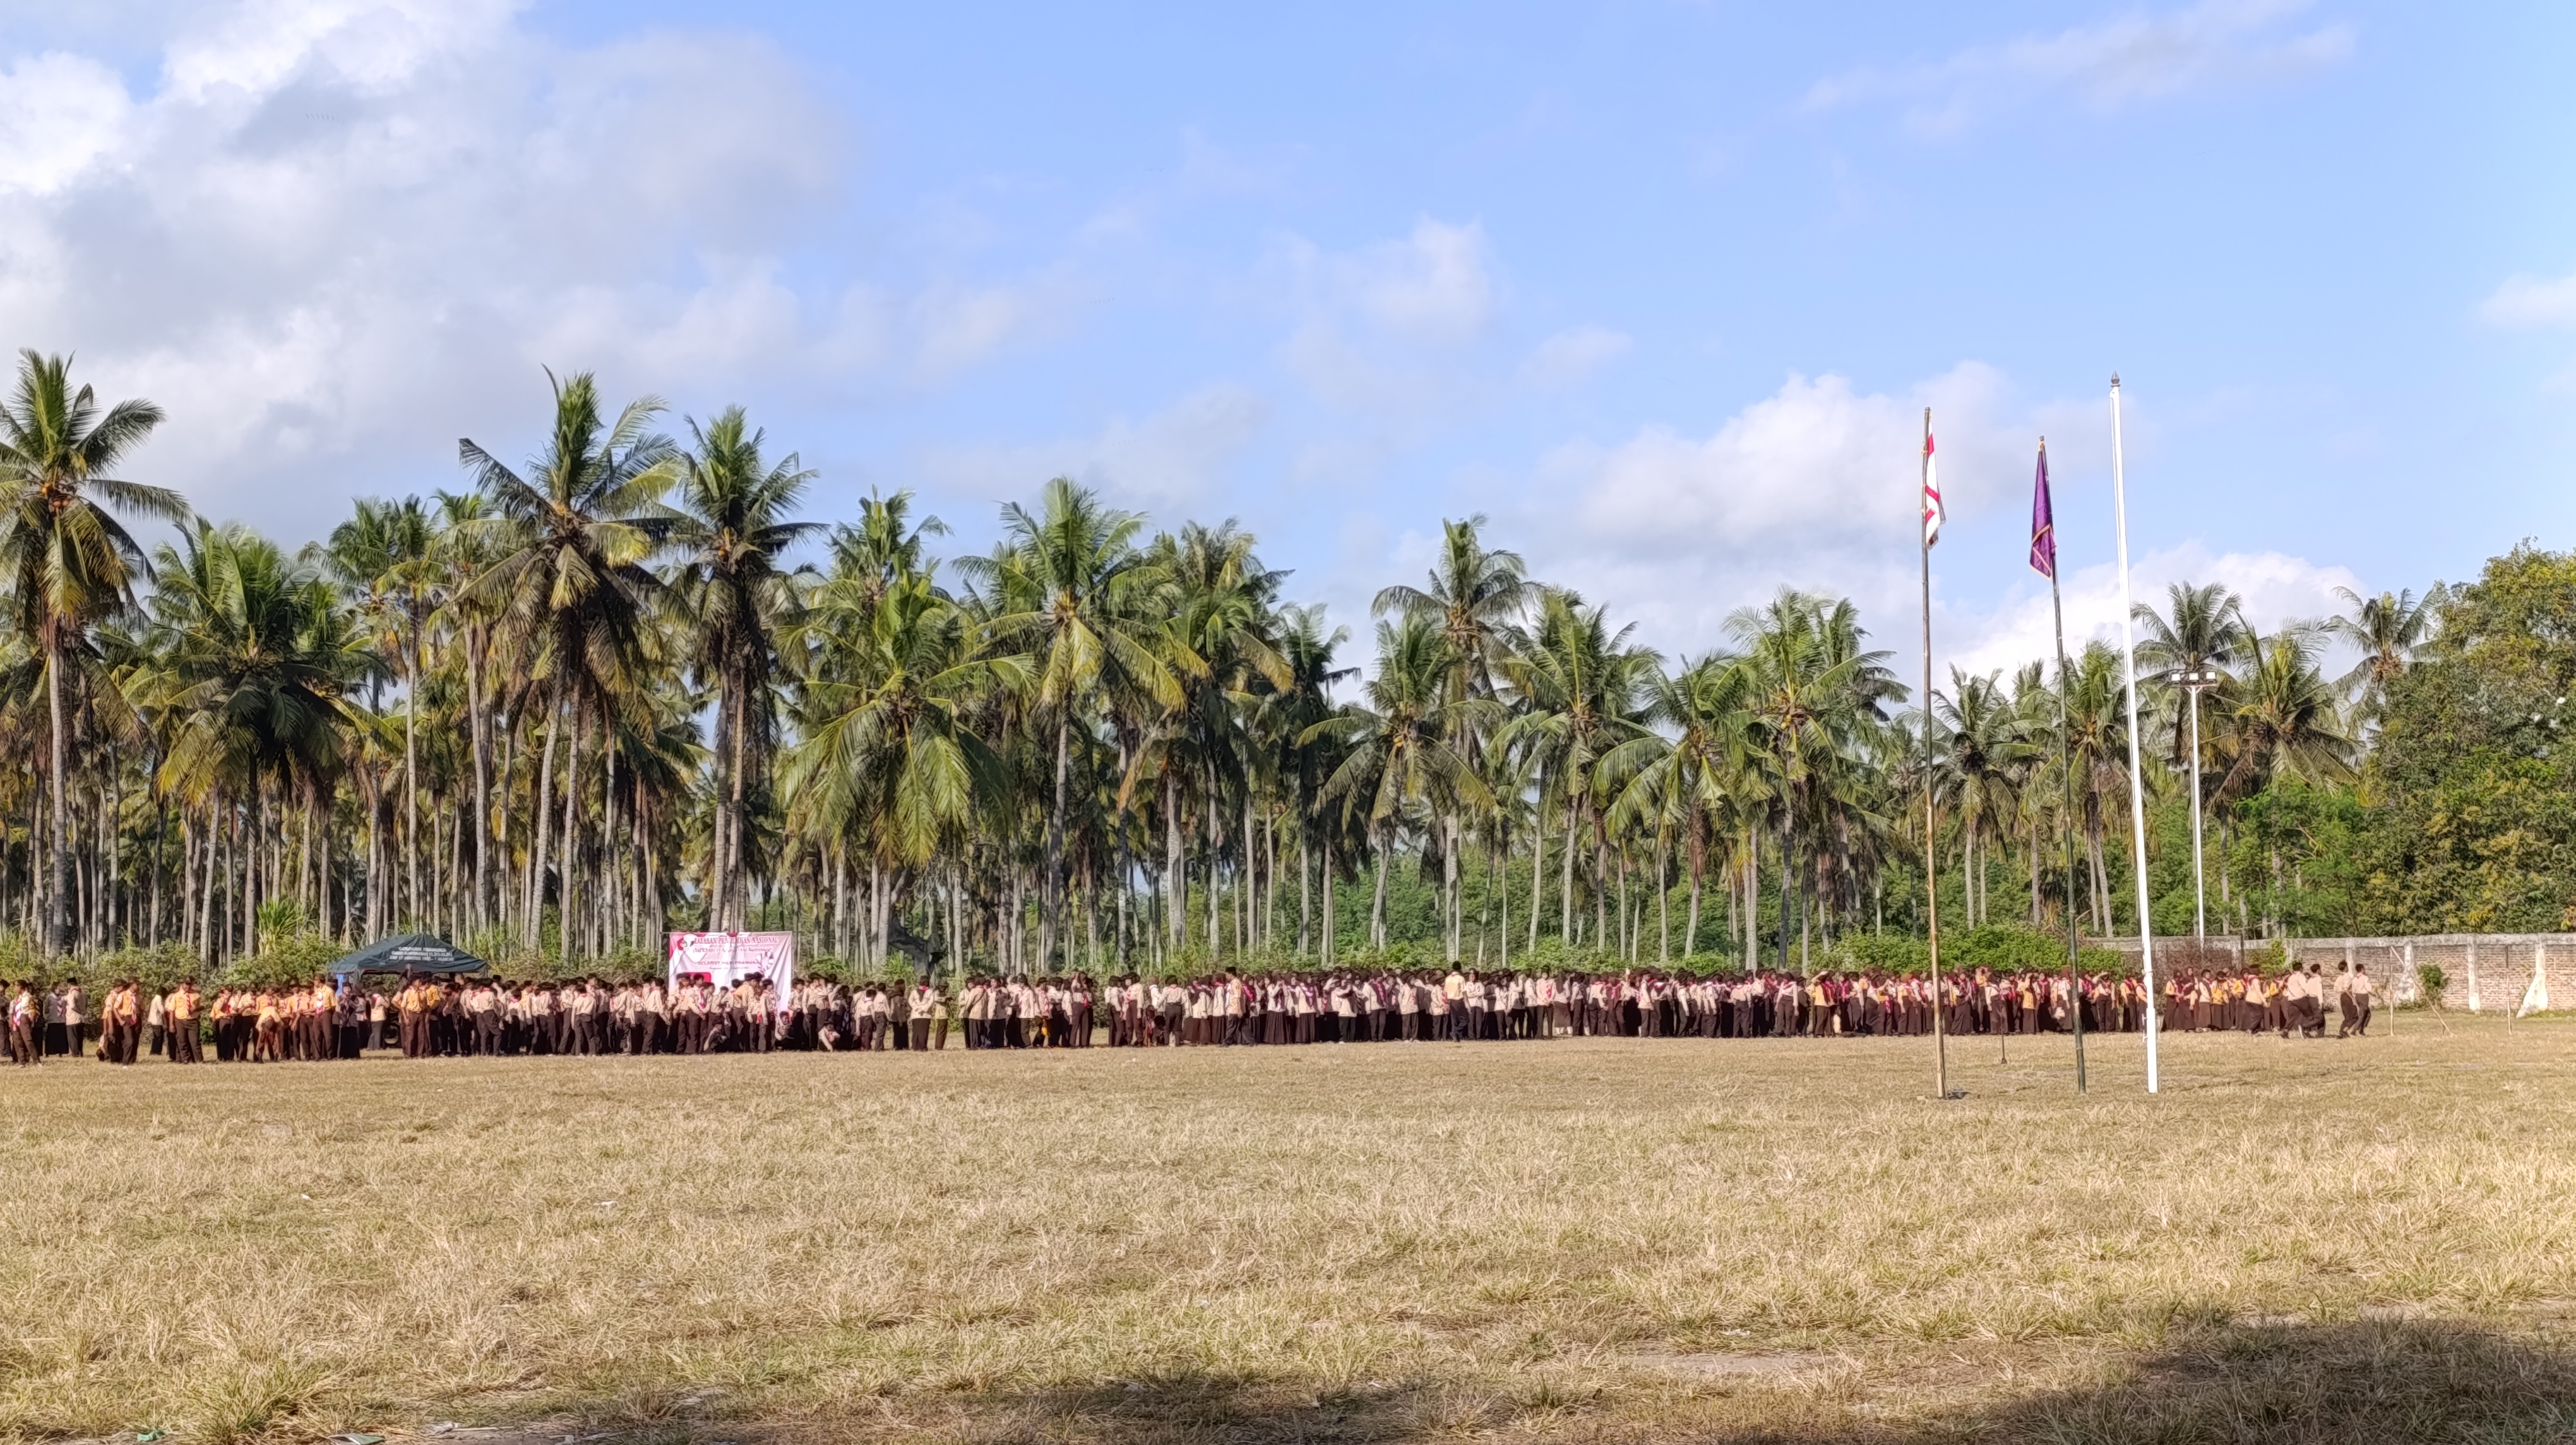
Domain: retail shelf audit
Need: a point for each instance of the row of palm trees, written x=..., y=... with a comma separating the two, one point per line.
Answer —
x=624, y=686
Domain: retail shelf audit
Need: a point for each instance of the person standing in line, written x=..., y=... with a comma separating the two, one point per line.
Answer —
x=26, y=1026
x=2360, y=1001
x=916, y=1022
x=179, y=1024
x=120, y=1023
x=75, y=1018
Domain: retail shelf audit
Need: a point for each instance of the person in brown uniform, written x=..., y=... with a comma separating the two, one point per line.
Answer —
x=179, y=1023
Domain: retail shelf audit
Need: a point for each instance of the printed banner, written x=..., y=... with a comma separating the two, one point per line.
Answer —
x=728, y=958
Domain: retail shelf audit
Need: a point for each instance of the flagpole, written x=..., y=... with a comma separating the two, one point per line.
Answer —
x=2066, y=765
x=2137, y=782
x=1931, y=878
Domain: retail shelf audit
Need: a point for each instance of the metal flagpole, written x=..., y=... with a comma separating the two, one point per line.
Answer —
x=2137, y=782
x=2066, y=763
x=1931, y=878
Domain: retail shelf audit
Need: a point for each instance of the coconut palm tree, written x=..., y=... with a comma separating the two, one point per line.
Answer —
x=733, y=584
x=2097, y=747
x=887, y=751
x=1067, y=588
x=2282, y=722
x=1814, y=696
x=1400, y=756
x=2386, y=630
x=1987, y=751
x=1476, y=596
x=259, y=659
x=70, y=563
x=572, y=584
x=1578, y=685
x=1693, y=778
x=380, y=559
x=2205, y=634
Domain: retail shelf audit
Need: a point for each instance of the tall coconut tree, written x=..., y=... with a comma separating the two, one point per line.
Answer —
x=1476, y=596
x=734, y=585
x=1693, y=775
x=1067, y=589
x=2386, y=630
x=1578, y=685
x=70, y=562
x=573, y=583
x=1400, y=755
x=2201, y=633
x=259, y=658
x=1986, y=756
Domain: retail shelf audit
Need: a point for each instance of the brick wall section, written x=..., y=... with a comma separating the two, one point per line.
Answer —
x=2486, y=971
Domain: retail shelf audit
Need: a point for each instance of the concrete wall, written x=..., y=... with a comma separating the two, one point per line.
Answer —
x=2486, y=971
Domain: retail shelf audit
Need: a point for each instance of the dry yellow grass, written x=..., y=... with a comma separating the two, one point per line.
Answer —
x=1584, y=1239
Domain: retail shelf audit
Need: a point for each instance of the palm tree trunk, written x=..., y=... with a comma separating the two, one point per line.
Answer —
x=1048, y=901
x=1538, y=865
x=2034, y=870
x=1176, y=878
x=411, y=778
x=1565, y=882
x=1215, y=831
x=1453, y=920
x=1601, y=938
x=1377, y=902
x=607, y=837
x=1690, y=933
x=532, y=928
x=58, y=939
x=479, y=728
x=565, y=925
x=1329, y=909
x=736, y=887
x=254, y=824
x=1664, y=898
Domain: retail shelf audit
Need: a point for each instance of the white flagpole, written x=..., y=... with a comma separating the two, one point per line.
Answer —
x=2137, y=783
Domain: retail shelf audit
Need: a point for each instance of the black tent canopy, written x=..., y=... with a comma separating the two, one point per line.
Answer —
x=409, y=953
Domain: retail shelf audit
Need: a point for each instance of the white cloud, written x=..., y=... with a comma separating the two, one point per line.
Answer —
x=2104, y=66
x=58, y=115
x=1572, y=355
x=330, y=235
x=2527, y=301
x=1174, y=458
x=1814, y=486
x=1813, y=460
x=2275, y=587
x=956, y=326
x=1435, y=284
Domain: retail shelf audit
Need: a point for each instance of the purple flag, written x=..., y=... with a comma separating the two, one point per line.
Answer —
x=2043, y=525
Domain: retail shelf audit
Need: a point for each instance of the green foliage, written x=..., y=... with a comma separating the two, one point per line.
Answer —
x=2469, y=827
x=2435, y=982
x=2003, y=948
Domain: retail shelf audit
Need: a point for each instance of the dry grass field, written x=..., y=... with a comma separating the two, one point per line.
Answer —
x=1578, y=1240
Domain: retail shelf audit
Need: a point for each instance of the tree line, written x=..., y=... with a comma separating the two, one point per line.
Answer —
x=627, y=686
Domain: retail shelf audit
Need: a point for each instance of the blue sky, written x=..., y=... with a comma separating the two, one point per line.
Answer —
x=1660, y=288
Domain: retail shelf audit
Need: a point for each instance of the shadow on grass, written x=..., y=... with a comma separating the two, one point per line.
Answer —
x=2363, y=1383
x=2368, y=1381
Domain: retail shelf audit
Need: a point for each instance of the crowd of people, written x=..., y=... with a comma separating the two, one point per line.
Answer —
x=428, y=1017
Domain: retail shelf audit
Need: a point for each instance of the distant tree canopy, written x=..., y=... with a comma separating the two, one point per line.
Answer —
x=2471, y=791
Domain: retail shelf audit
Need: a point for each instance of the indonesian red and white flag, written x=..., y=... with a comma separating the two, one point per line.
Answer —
x=1933, y=516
